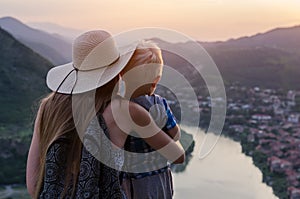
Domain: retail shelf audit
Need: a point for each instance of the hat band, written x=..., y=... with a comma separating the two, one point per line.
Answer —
x=95, y=68
x=103, y=55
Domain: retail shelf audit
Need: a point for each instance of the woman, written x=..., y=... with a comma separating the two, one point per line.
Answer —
x=58, y=164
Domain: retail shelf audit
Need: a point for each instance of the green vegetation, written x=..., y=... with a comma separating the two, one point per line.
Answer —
x=22, y=83
x=257, y=66
x=276, y=180
x=13, y=156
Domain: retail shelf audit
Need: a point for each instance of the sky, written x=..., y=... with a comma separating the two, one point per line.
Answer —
x=204, y=20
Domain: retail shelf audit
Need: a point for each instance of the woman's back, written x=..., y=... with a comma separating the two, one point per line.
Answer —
x=96, y=179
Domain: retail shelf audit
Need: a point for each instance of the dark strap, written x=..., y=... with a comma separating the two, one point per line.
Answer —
x=61, y=83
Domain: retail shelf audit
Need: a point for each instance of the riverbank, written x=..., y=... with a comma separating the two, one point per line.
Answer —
x=275, y=180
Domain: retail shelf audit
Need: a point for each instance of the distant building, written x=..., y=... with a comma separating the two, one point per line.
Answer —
x=246, y=106
x=291, y=95
x=278, y=111
x=293, y=193
x=237, y=128
x=256, y=89
x=293, y=118
x=279, y=165
x=251, y=137
x=292, y=177
x=261, y=117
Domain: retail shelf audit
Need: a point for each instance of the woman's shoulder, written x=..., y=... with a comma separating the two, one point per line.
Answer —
x=124, y=105
x=125, y=112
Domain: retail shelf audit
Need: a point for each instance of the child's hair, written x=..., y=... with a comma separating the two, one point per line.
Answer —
x=147, y=65
x=147, y=52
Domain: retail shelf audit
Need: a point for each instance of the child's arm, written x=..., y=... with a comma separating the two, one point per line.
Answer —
x=138, y=120
x=172, y=128
x=174, y=133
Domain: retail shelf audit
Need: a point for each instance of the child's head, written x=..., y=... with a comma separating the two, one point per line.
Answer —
x=145, y=68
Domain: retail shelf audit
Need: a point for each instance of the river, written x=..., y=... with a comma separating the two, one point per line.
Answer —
x=226, y=173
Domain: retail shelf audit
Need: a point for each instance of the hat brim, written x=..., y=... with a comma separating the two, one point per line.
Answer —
x=63, y=78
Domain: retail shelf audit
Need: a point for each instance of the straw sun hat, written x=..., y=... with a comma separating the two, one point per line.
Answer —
x=97, y=58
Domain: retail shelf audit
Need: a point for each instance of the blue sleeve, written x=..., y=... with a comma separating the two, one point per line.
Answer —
x=171, y=120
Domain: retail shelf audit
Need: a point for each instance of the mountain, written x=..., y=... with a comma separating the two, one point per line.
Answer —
x=286, y=39
x=67, y=33
x=22, y=82
x=269, y=60
x=51, y=46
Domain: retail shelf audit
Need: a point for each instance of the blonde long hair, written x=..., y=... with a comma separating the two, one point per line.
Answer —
x=56, y=120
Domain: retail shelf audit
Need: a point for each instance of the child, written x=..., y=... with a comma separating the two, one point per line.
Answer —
x=144, y=71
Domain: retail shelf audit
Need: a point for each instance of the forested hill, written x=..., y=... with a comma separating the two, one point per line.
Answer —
x=51, y=46
x=269, y=60
x=22, y=82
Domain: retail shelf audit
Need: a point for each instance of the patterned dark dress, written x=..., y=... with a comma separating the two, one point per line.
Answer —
x=99, y=165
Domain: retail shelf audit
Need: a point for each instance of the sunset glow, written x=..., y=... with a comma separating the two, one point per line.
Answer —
x=204, y=20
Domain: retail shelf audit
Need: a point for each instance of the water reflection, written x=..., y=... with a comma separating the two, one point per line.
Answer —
x=225, y=173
